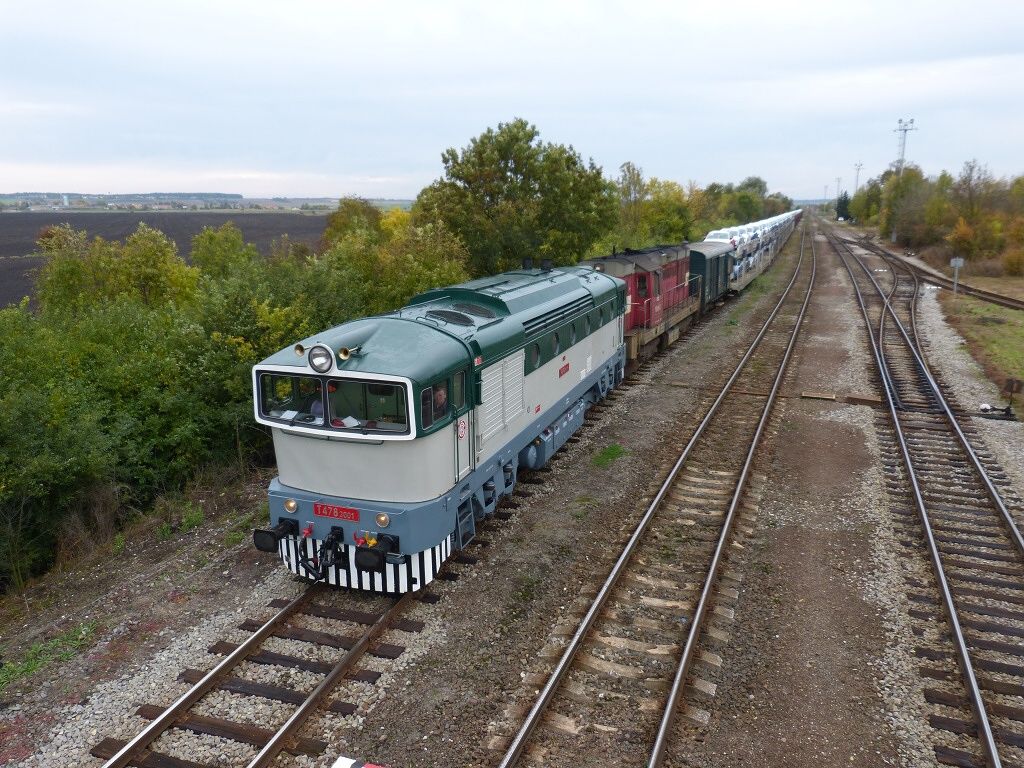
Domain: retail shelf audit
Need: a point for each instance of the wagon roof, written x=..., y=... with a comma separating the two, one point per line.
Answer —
x=711, y=249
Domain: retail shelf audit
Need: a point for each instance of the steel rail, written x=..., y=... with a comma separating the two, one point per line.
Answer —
x=697, y=623
x=518, y=744
x=887, y=385
x=887, y=372
x=130, y=751
x=280, y=740
x=993, y=492
x=967, y=668
x=980, y=293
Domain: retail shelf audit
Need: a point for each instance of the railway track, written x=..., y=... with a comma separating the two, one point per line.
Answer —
x=631, y=663
x=260, y=745
x=945, y=282
x=955, y=505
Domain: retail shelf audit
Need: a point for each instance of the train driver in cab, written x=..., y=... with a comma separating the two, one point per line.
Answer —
x=440, y=400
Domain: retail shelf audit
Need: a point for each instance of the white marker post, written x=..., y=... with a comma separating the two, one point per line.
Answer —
x=956, y=262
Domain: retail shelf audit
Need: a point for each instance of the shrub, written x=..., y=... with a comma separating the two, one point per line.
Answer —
x=1013, y=261
x=192, y=517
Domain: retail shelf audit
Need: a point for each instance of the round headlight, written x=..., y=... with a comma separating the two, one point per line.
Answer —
x=320, y=358
x=291, y=505
x=383, y=519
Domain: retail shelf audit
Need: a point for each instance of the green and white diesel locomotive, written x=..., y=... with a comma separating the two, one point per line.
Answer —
x=395, y=435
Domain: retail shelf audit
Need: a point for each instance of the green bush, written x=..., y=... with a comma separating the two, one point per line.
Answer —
x=192, y=517
x=135, y=371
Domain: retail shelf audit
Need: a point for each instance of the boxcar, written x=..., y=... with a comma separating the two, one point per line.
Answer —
x=712, y=261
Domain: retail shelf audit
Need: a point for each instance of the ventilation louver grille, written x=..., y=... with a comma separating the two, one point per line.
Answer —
x=450, y=317
x=553, y=319
x=474, y=309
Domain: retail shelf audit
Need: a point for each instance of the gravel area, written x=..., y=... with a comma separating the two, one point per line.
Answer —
x=820, y=671
x=948, y=354
x=109, y=708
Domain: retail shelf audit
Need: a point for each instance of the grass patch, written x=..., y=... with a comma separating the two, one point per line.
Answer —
x=994, y=334
x=241, y=529
x=607, y=456
x=581, y=507
x=193, y=517
x=39, y=655
x=527, y=589
x=117, y=547
x=1008, y=286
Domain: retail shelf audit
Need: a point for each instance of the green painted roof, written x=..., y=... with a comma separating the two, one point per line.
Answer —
x=443, y=330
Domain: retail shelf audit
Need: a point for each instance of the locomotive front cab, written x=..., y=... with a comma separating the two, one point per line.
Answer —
x=366, y=459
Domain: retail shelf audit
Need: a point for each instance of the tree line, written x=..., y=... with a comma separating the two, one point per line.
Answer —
x=973, y=215
x=132, y=369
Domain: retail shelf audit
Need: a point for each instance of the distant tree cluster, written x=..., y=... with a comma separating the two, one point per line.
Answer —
x=508, y=195
x=653, y=211
x=973, y=215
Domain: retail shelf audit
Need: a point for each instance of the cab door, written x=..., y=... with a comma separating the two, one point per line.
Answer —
x=657, y=307
x=463, y=426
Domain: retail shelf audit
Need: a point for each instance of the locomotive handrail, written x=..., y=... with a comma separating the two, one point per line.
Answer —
x=668, y=303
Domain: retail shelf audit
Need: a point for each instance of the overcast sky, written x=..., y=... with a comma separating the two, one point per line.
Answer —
x=335, y=98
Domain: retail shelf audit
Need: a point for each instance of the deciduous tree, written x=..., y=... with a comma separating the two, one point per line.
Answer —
x=508, y=195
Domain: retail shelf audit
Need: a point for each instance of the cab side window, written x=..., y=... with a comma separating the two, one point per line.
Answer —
x=441, y=404
x=434, y=404
x=427, y=407
x=459, y=391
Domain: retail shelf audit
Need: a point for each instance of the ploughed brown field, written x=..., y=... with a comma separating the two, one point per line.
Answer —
x=18, y=233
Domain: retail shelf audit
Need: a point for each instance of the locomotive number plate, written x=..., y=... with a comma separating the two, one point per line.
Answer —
x=337, y=513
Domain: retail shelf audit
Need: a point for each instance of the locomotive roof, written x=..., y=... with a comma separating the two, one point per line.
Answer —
x=445, y=329
x=647, y=259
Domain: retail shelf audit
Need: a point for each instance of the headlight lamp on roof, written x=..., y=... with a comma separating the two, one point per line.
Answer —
x=320, y=358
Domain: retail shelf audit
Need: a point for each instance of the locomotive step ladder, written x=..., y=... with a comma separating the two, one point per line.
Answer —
x=465, y=528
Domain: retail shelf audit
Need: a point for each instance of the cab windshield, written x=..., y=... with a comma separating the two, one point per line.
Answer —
x=354, y=405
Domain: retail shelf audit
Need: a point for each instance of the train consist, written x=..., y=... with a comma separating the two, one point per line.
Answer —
x=396, y=435
x=668, y=287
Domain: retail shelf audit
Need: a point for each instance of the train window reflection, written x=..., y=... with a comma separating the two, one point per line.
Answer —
x=367, y=405
x=348, y=404
x=292, y=399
